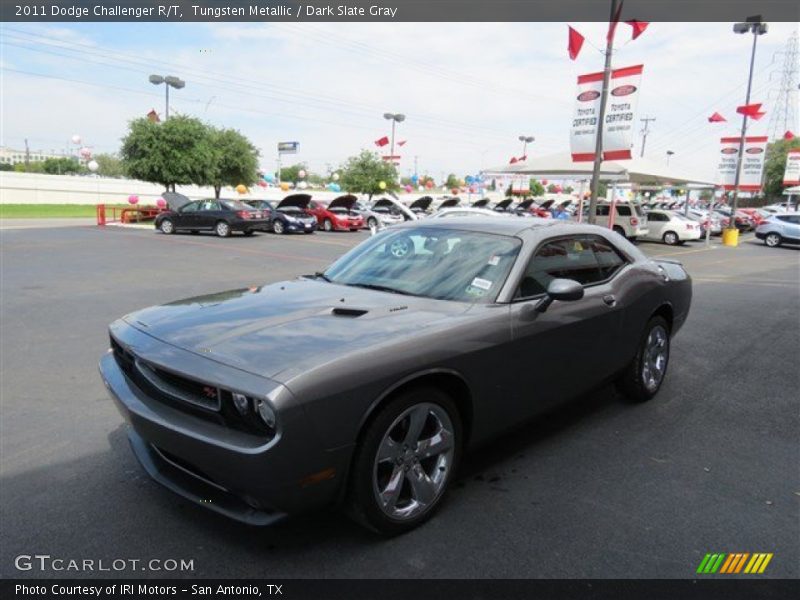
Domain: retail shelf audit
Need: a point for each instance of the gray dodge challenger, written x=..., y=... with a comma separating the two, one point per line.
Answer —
x=364, y=384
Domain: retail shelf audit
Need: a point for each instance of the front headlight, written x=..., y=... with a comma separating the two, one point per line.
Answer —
x=291, y=219
x=266, y=413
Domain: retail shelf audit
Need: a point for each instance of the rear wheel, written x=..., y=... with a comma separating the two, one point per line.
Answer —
x=222, y=229
x=405, y=461
x=643, y=377
x=773, y=240
x=670, y=238
x=277, y=227
x=167, y=226
x=327, y=225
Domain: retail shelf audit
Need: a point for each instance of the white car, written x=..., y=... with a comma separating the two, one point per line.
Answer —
x=670, y=228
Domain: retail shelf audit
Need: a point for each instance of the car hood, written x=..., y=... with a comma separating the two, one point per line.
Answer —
x=408, y=214
x=343, y=202
x=296, y=201
x=449, y=203
x=421, y=203
x=481, y=203
x=503, y=204
x=287, y=328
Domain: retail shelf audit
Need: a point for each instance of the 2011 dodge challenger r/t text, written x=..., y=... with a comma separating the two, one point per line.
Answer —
x=363, y=385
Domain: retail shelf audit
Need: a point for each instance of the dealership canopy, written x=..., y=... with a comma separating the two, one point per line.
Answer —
x=637, y=170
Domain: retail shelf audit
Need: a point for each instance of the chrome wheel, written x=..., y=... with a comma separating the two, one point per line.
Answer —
x=670, y=238
x=655, y=356
x=167, y=226
x=327, y=225
x=413, y=461
x=399, y=248
x=223, y=229
x=772, y=240
x=277, y=227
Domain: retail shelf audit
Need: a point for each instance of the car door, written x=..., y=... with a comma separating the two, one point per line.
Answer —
x=656, y=222
x=210, y=212
x=571, y=346
x=186, y=217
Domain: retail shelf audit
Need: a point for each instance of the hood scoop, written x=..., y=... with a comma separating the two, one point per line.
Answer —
x=341, y=311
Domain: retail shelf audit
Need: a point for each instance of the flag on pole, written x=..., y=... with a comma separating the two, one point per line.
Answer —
x=638, y=27
x=717, y=118
x=612, y=27
x=749, y=110
x=403, y=143
x=575, y=43
x=382, y=141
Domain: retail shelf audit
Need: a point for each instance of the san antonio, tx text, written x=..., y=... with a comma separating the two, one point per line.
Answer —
x=254, y=10
x=140, y=590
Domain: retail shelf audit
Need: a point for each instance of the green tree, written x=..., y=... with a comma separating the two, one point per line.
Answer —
x=363, y=174
x=177, y=151
x=109, y=165
x=62, y=166
x=452, y=181
x=235, y=160
x=6, y=167
x=551, y=189
x=291, y=173
x=31, y=167
x=537, y=189
x=775, y=165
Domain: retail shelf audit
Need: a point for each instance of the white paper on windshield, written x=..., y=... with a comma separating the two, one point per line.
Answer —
x=483, y=284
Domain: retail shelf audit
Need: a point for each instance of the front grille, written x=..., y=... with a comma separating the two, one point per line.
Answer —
x=188, y=390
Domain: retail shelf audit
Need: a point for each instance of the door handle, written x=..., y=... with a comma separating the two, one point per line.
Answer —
x=610, y=300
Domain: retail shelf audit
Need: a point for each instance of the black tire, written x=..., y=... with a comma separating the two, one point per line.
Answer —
x=249, y=232
x=277, y=227
x=631, y=382
x=327, y=225
x=362, y=502
x=619, y=230
x=670, y=238
x=372, y=223
x=194, y=232
x=222, y=229
x=167, y=226
x=773, y=240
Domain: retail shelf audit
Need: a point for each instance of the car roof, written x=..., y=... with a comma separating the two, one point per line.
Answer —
x=510, y=225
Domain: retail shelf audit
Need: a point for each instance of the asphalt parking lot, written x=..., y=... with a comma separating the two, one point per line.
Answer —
x=599, y=489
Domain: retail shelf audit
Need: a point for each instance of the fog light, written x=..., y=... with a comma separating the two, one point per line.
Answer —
x=241, y=403
x=266, y=412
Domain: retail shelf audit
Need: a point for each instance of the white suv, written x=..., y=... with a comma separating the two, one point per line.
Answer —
x=629, y=218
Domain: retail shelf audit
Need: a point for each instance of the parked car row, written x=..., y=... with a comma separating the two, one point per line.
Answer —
x=780, y=229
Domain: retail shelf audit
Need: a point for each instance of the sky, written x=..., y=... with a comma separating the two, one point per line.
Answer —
x=468, y=90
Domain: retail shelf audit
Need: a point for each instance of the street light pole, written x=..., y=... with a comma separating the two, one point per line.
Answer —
x=598, y=146
x=754, y=25
x=168, y=81
x=525, y=139
x=394, y=118
x=669, y=155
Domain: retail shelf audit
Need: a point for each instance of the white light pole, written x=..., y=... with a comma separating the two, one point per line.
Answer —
x=169, y=81
x=394, y=118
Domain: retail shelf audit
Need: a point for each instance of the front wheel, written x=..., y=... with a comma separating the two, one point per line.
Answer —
x=167, y=227
x=405, y=461
x=277, y=227
x=643, y=377
x=372, y=223
x=222, y=229
x=327, y=225
x=773, y=240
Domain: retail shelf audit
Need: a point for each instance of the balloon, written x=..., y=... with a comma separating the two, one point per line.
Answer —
x=133, y=199
x=382, y=185
x=76, y=139
x=269, y=177
x=161, y=203
x=414, y=179
x=302, y=185
x=85, y=152
x=420, y=188
x=455, y=191
x=408, y=189
x=301, y=173
x=92, y=166
x=429, y=184
x=544, y=181
x=262, y=183
x=335, y=177
x=241, y=188
x=284, y=185
x=469, y=179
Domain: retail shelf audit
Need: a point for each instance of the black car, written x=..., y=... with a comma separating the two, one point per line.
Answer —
x=223, y=217
x=288, y=215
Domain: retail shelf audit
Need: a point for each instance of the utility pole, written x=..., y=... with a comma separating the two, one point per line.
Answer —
x=646, y=121
x=27, y=155
x=598, y=146
x=415, y=165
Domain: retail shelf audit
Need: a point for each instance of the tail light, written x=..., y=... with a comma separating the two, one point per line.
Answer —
x=244, y=214
x=634, y=221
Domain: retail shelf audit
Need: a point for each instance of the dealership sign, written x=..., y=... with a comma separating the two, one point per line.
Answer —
x=288, y=147
x=619, y=118
x=792, y=174
x=752, y=165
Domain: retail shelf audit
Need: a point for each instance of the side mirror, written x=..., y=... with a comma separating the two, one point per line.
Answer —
x=565, y=290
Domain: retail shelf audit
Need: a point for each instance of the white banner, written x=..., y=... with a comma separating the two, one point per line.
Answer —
x=792, y=174
x=754, y=150
x=618, y=128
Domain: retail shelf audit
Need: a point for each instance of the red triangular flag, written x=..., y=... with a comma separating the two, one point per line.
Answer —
x=749, y=110
x=523, y=158
x=717, y=118
x=758, y=115
x=402, y=143
x=638, y=27
x=575, y=43
x=788, y=135
x=513, y=160
x=382, y=142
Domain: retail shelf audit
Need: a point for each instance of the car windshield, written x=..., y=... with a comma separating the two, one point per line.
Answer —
x=445, y=264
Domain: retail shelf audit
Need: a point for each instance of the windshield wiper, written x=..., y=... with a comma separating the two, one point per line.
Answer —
x=321, y=275
x=380, y=288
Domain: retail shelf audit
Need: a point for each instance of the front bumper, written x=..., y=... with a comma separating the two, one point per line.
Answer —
x=300, y=226
x=238, y=474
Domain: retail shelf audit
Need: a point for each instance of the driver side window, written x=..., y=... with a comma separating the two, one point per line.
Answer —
x=191, y=207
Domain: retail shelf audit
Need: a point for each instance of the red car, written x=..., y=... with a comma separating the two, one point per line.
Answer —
x=338, y=215
x=754, y=215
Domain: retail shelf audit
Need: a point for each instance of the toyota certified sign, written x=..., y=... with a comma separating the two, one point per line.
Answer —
x=623, y=90
x=729, y=150
x=752, y=162
x=754, y=150
x=588, y=96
